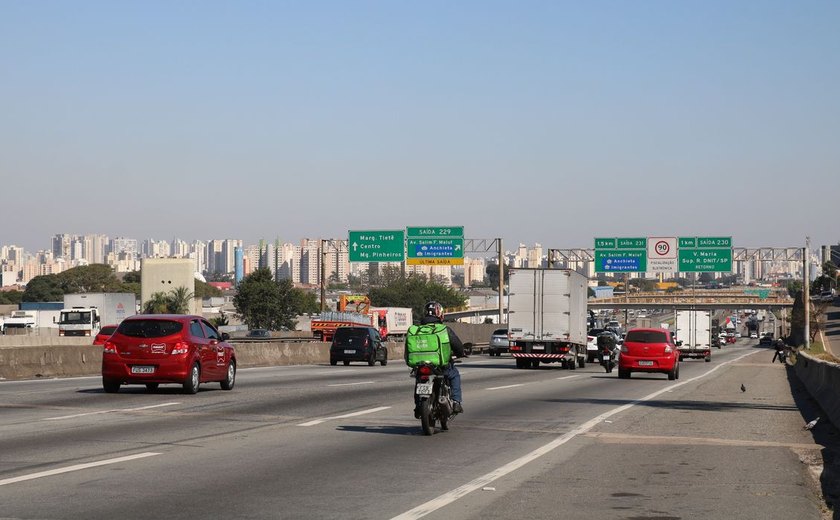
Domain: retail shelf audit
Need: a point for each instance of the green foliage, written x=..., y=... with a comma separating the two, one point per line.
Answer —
x=263, y=303
x=492, y=272
x=794, y=288
x=415, y=291
x=176, y=302
x=205, y=290
x=44, y=288
x=132, y=277
x=131, y=288
x=220, y=321
x=11, y=297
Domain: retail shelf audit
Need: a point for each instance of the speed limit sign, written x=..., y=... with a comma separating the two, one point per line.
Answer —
x=662, y=255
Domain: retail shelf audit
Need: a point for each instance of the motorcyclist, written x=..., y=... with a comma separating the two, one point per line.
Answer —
x=433, y=313
x=780, y=351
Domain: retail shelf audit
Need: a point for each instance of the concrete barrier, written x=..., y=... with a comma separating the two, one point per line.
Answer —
x=30, y=362
x=822, y=379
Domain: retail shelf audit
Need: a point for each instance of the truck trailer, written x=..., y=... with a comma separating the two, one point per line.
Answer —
x=694, y=334
x=392, y=322
x=547, y=317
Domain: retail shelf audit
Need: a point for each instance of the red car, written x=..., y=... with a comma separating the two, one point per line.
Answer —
x=649, y=350
x=103, y=335
x=154, y=349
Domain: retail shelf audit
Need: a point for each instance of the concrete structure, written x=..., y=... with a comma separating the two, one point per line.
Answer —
x=165, y=275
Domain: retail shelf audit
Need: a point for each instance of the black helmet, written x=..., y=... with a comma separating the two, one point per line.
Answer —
x=433, y=309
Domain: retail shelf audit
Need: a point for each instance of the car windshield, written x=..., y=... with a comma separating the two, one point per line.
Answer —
x=500, y=332
x=107, y=330
x=646, y=336
x=149, y=328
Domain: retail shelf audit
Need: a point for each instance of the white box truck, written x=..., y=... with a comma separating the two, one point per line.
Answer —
x=547, y=317
x=84, y=314
x=694, y=334
x=392, y=322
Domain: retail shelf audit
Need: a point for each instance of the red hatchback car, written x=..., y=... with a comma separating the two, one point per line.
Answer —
x=150, y=349
x=103, y=334
x=649, y=350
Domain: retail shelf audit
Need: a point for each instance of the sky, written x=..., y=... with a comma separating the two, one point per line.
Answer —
x=544, y=122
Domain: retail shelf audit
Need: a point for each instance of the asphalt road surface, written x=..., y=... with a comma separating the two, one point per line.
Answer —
x=342, y=442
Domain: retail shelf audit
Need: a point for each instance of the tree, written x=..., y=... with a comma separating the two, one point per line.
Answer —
x=44, y=288
x=131, y=277
x=95, y=278
x=178, y=300
x=157, y=304
x=492, y=272
x=11, y=297
x=794, y=288
x=263, y=303
x=415, y=291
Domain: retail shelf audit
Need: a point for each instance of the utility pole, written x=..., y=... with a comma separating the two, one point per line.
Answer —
x=806, y=292
x=322, y=255
x=501, y=252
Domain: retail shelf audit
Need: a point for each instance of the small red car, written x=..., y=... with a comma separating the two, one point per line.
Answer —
x=154, y=349
x=103, y=334
x=649, y=350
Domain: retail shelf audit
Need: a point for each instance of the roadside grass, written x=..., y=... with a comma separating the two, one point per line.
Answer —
x=817, y=351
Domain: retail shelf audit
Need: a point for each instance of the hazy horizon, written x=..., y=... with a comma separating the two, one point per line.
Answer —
x=548, y=122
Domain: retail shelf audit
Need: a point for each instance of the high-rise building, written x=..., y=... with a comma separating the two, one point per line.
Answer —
x=310, y=261
x=61, y=245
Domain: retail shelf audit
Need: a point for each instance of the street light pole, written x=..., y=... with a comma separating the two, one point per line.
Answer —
x=806, y=292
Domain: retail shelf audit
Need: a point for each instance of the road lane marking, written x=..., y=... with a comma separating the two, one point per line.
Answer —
x=621, y=438
x=77, y=467
x=478, y=483
x=354, y=414
x=570, y=377
x=109, y=411
x=353, y=384
x=506, y=386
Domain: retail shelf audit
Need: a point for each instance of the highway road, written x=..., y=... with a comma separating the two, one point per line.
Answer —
x=341, y=442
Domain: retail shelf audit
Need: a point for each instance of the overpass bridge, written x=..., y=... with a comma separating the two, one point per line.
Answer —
x=713, y=300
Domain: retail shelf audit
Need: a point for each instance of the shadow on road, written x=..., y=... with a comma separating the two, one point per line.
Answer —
x=388, y=430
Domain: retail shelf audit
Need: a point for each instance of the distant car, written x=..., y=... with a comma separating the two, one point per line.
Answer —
x=154, y=349
x=258, y=334
x=103, y=334
x=827, y=296
x=753, y=335
x=358, y=344
x=498, y=342
x=592, y=345
x=649, y=350
x=766, y=339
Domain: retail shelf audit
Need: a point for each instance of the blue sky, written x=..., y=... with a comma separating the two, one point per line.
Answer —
x=551, y=122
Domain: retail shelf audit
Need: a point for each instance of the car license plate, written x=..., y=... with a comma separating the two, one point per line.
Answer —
x=645, y=363
x=142, y=370
x=423, y=389
x=538, y=347
x=349, y=351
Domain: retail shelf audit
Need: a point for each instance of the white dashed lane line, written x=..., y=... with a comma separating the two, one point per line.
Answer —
x=77, y=467
x=354, y=414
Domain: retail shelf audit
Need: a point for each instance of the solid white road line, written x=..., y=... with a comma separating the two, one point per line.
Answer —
x=506, y=386
x=354, y=414
x=570, y=377
x=353, y=384
x=447, y=498
x=108, y=411
x=77, y=467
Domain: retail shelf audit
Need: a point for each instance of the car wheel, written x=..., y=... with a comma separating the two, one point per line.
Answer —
x=230, y=376
x=673, y=373
x=151, y=387
x=333, y=362
x=522, y=363
x=708, y=358
x=384, y=362
x=191, y=384
x=372, y=360
x=535, y=363
x=582, y=362
x=678, y=371
x=623, y=373
x=110, y=386
x=346, y=363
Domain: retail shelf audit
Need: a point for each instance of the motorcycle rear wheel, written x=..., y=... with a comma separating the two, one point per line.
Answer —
x=426, y=418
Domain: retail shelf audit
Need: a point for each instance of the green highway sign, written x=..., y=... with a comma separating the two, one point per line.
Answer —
x=431, y=231
x=376, y=246
x=433, y=245
x=705, y=254
x=620, y=255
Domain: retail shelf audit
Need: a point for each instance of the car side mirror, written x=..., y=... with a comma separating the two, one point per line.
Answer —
x=225, y=336
x=679, y=343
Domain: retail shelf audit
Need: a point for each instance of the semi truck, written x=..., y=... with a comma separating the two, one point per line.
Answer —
x=694, y=333
x=84, y=314
x=547, y=317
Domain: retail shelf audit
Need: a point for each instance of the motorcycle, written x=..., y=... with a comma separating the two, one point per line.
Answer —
x=435, y=396
x=608, y=360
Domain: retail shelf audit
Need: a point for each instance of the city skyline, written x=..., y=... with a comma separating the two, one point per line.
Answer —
x=535, y=122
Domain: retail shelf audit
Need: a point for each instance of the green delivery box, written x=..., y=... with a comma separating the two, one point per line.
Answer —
x=427, y=343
